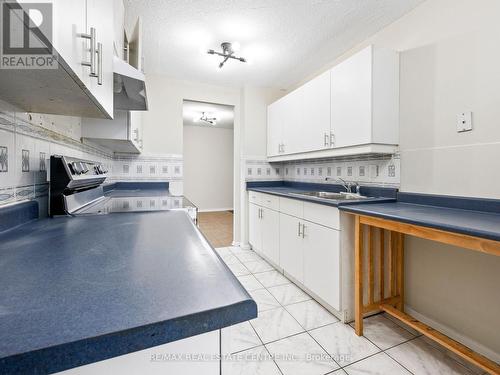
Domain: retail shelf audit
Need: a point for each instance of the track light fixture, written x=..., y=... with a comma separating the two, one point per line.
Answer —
x=227, y=53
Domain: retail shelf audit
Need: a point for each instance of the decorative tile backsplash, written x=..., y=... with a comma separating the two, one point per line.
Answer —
x=25, y=149
x=369, y=170
x=260, y=169
x=142, y=167
x=4, y=159
x=28, y=140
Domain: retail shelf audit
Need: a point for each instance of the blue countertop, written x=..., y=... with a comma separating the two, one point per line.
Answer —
x=466, y=215
x=136, y=189
x=77, y=290
x=290, y=189
x=474, y=223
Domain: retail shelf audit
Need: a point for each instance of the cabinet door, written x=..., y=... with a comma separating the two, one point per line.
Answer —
x=351, y=93
x=293, y=125
x=68, y=22
x=322, y=262
x=135, y=122
x=274, y=128
x=291, y=257
x=254, y=227
x=100, y=16
x=270, y=234
x=315, y=116
x=119, y=28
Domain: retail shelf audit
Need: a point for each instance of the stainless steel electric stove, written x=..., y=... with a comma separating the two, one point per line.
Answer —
x=76, y=188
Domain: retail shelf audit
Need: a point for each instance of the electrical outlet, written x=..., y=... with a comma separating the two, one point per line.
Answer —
x=464, y=122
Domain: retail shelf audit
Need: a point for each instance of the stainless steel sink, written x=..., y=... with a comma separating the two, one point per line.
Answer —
x=330, y=195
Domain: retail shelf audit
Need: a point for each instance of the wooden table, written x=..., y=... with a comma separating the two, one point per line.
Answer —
x=376, y=239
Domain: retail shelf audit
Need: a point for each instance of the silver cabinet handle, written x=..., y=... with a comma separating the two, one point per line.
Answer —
x=282, y=147
x=299, y=233
x=303, y=230
x=332, y=139
x=93, y=51
x=99, y=63
x=261, y=213
x=327, y=140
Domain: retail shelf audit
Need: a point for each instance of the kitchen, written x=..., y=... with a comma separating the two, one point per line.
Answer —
x=365, y=209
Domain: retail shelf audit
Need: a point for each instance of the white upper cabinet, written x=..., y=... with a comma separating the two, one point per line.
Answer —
x=73, y=87
x=365, y=99
x=351, y=100
x=274, y=128
x=122, y=134
x=69, y=21
x=350, y=109
x=100, y=18
x=119, y=29
x=313, y=132
x=292, y=112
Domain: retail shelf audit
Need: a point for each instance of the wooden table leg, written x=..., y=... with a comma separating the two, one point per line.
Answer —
x=358, y=276
x=400, y=271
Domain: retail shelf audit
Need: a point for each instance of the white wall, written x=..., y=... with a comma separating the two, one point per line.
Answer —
x=255, y=102
x=163, y=124
x=208, y=167
x=450, y=59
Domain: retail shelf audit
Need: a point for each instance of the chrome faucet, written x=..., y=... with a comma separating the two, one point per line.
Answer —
x=347, y=184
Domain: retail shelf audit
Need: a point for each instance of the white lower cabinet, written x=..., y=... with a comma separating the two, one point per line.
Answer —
x=322, y=262
x=191, y=356
x=291, y=247
x=305, y=240
x=263, y=225
x=254, y=227
x=270, y=235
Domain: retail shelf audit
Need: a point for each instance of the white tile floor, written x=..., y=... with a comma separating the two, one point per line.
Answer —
x=294, y=335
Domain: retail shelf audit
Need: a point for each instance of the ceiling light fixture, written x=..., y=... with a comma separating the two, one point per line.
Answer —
x=227, y=52
x=209, y=120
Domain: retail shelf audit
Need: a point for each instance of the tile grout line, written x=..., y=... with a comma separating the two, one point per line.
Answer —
x=382, y=350
x=307, y=331
x=267, y=350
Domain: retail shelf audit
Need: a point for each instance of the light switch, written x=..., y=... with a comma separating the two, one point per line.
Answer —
x=464, y=122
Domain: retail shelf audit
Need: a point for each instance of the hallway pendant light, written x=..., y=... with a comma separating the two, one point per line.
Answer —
x=227, y=53
x=209, y=120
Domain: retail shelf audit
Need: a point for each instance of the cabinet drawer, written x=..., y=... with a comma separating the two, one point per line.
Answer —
x=323, y=215
x=270, y=201
x=292, y=207
x=254, y=197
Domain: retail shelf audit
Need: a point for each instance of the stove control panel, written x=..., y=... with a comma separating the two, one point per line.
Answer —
x=86, y=168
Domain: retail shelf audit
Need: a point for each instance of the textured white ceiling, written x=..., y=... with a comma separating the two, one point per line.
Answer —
x=192, y=111
x=284, y=40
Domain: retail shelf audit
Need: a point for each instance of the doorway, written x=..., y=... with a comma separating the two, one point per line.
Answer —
x=208, y=136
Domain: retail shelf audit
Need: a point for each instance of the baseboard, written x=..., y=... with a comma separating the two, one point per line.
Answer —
x=467, y=341
x=243, y=245
x=216, y=210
